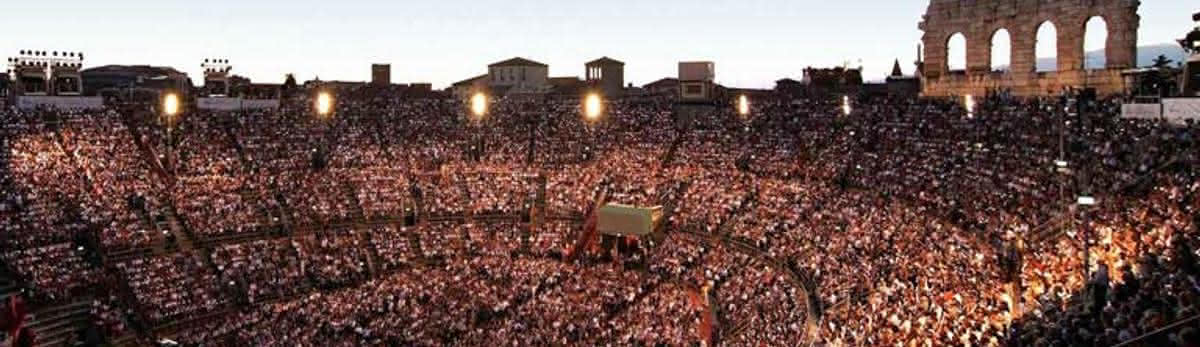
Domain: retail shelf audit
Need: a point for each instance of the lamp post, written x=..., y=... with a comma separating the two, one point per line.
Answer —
x=742, y=107
x=324, y=106
x=478, y=113
x=593, y=112
x=170, y=110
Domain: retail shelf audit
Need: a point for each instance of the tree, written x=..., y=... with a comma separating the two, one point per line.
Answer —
x=1163, y=80
x=289, y=85
x=1162, y=62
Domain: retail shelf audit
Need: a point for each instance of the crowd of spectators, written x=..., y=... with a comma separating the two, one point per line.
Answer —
x=267, y=269
x=174, y=287
x=125, y=202
x=895, y=224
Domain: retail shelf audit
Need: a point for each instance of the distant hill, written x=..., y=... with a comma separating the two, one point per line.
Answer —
x=1145, y=56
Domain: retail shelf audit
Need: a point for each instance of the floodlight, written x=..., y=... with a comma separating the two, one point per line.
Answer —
x=479, y=105
x=592, y=107
x=743, y=106
x=324, y=103
x=171, y=104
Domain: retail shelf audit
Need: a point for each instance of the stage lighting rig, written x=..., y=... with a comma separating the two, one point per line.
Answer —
x=216, y=76
x=43, y=72
x=51, y=59
x=216, y=65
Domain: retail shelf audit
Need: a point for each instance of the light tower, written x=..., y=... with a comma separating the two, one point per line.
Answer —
x=170, y=108
x=216, y=76
x=477, y=110
x=47, y=72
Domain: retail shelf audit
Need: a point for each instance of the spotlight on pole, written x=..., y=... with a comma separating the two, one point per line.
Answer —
x=743, y=105
x=324, y=104
x=593, y=107
x=479, y=105
x=846, y=105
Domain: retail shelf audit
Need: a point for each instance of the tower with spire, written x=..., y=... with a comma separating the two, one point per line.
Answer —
x=896, y=70
x=904, y=86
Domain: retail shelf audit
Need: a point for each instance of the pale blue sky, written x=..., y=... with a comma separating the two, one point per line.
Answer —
x=753, y=42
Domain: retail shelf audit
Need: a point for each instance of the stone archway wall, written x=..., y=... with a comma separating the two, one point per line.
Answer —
x=979, y=19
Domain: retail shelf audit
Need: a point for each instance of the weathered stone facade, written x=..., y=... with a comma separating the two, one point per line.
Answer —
x=979, y=20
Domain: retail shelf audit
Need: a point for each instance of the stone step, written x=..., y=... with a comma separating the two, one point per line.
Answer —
x=8, y=289
x=57, y=326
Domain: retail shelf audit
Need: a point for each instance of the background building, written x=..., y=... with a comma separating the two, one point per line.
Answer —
x=134, y=80
x=900, y=85
x=381, y=74
x=789, y=87
x=465, y=88
x=518, y=75
x=665, y=86
x=607, y=75
x=829, y=81
x=567, y=87
x=696, y=80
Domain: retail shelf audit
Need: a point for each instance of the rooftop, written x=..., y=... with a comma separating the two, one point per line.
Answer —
x=518, y=61
x=605, y=61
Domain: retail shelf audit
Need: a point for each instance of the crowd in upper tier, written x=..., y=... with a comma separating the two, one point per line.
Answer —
x=397, y=221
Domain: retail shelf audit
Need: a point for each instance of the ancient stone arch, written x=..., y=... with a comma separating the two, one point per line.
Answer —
x=1047, y=31
x=1005, y=39
x=952, y=63
x=1101, y=27
x=980, y=19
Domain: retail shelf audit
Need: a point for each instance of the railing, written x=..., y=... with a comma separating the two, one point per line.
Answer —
x=1178, y=325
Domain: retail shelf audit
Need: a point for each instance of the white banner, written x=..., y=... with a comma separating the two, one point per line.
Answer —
x=258, y=104
x=1141, y=111
x=26, y=102
x=234, y=104
x=1179, y=110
